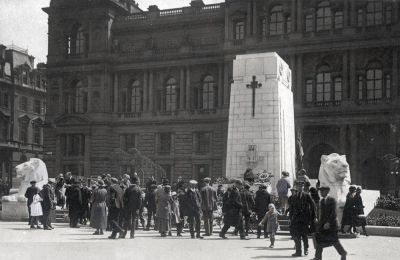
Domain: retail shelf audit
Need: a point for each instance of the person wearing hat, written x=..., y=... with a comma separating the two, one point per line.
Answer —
x=327, y=226
x=29, y=193
x=232, y=211
x=48, y=203
x=98, y=213
x=150, y=204
x=302, y=177
x=208, y=205
x=164, y=210
x=302, y=214
x=116, y=206
x=350, y=211
x=262, y=200
x=361, y=219
x=176, y=215
x=248, y=206
x=193, y=208
x=282, y=187
x=74, y=201
x=132, y=203
x=86, y=195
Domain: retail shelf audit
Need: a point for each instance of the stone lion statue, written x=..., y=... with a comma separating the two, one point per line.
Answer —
x=334, y=172
x=32, y=170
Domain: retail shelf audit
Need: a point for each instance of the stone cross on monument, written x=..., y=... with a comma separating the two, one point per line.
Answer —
x=254, y=85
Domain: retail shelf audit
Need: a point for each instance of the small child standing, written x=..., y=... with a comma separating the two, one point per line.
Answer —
x=36, y=210
x=271, y=218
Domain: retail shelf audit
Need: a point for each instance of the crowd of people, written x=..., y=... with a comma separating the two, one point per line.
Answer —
x=118, y=206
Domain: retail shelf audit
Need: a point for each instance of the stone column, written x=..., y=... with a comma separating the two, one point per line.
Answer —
x=395, y=12
x=86, y=163
x=255, y=19
x=352, y=76
x=151, y=91
x=345, y=76
x=353, y=13
x=299, y=16
x=89, y=94
x=145, y=90
x=292, y=63
x=188, y=93
x=220, y=85
x=226, y=84
x=299, y=79
x=293, y=13
x=182, y=89
x=355, y=176
x=248, y=19
x=342, y=140
x=116, y=92
x=162, y=92
x=346, y=14
x=395, y=71
x=227, y=25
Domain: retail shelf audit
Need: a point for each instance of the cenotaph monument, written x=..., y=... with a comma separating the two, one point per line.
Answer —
x=261, y=132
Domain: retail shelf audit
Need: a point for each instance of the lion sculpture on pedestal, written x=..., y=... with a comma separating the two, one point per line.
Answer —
x=334, y=172
x=32, y=170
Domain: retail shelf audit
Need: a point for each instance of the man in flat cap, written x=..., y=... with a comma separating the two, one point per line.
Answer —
x=115, y=206
x=208, y=205
x=327, y=226
x=30, y=192
x=193, y=208
x=302, y=215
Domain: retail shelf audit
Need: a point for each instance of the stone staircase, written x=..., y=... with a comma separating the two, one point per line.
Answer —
x=61, y=216
x=283, y=225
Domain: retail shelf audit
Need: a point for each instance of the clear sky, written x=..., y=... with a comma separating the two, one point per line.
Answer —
x=23, y=22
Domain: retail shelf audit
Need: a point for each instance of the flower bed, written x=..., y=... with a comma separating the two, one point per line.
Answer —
x=388, y=202
x=383, y=220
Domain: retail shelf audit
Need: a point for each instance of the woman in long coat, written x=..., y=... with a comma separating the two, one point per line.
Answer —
x=164, y=202
x=349, y=211
x=98, y=216
x=361, y=220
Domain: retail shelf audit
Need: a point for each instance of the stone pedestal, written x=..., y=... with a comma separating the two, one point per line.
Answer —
x=14, y=211
x=265, y=141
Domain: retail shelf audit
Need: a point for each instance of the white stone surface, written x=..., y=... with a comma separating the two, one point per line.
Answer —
x=14, y=211
x=272, y=128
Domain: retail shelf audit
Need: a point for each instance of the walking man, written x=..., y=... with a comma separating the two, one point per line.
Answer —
x=208, y=205
x=327, y=226
x=193, y=208
x=116, y=205
x=133, y=203
x=262, y=200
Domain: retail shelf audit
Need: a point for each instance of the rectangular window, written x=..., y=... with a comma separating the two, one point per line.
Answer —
x=338, y=89
x=73, y=145
x=23, y=103
x=201, y=171
x=128, y=141
x=264, y=26
x=4, y=99
x=360, y=17
x=202, y=142
x=239, y=30
x=360, y=84
x=165, y=143
x=37, y=134
x=374, y=13
x=288, y=24
x=339, y=20
x=309, y=91
x=37, y=107
x=23, y=131
x=167, y=172
x=309, y=23
x=3, y=129
x=388, y=85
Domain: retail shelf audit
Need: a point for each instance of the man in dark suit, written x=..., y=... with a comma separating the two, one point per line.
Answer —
x=150, y=204
x=208, y=205
x=115, y=206
x=48, y=204
x=74, y=200
x=133, y=204
x=327, y=226
x=30, y=192
x=262, y=200
x=248, y=206
x=193, y=208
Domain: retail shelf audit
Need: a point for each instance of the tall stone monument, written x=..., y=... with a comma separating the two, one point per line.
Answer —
x=261, y=133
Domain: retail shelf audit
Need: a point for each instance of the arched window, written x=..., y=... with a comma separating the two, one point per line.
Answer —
x=374, y=82
x=276, y=21
x=323, y=85
x=374, y=12
x=171, y=95
x=208, y=93
x=76, y=98
x=324, y=16
x=136, y=96
x=80, y=41
x=239, y=30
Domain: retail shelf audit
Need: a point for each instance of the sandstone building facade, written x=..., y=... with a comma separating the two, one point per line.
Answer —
x=159, y=81
x=22, y=109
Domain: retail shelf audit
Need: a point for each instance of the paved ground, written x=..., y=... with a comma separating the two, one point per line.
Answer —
x=18, y=242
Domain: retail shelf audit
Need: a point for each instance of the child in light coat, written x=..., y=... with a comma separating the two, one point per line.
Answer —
x=271, y=219
x=36, y=210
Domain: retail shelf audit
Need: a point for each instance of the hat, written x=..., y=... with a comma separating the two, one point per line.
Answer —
x=297, y=182
x=263, y=186
x=114, y=180
x=33, y=182
x=352, y=189
x=324, y=188
x=52, y=180
x=100, y=182
x=173, y=193
x=285, y=173
x=165, y=182
x=153, y=186
x=193, y=182
x=293, y=188
x=167, y=186
x=207, y=180
x=134, y=180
